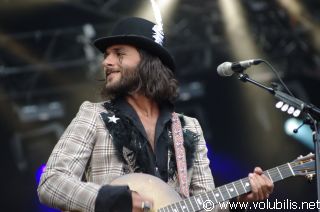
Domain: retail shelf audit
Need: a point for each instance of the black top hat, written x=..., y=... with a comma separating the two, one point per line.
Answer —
x=140, y=33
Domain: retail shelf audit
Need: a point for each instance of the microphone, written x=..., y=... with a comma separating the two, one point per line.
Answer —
x=226, y=69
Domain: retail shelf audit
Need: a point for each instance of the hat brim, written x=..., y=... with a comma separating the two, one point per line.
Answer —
x=141, y=42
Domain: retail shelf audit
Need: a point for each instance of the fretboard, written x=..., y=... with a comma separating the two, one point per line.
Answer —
x=226, y=192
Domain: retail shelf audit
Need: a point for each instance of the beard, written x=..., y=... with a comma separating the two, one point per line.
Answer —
x=128, y=83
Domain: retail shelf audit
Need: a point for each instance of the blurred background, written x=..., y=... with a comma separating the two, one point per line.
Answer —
x=48, y=66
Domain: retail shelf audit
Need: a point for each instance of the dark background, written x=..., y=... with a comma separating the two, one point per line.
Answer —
x=48, y=67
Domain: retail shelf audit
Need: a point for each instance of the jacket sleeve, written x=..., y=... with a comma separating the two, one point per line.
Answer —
x=61, y=186
x=201, y=179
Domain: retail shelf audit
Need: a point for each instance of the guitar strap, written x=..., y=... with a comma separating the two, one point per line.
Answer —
x=177, y=136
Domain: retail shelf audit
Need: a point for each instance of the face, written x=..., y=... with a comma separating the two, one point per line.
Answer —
x=120, y=64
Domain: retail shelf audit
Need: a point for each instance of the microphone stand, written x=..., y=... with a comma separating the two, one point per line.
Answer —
x=311, y=112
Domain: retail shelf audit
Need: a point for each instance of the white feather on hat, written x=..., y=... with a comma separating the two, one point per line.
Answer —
x=158, y=28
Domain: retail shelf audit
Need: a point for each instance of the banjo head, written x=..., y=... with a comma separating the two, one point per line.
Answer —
x=151, y=187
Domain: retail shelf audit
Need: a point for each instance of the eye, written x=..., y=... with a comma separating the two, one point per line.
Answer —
x=120, y=54
x=106, y=54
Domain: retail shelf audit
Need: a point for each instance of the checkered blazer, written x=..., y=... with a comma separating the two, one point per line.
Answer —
x=86, y=151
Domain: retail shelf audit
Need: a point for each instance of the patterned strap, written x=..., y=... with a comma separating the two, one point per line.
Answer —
x=177, y=136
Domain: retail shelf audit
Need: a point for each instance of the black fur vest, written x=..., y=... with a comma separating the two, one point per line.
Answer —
x=132, y=146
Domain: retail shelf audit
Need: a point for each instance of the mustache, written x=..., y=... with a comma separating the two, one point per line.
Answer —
x=111, y=70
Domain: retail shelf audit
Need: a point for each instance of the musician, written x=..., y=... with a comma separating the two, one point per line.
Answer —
x=131, y=132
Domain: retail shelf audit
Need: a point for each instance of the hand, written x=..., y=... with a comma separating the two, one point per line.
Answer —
x=261, y=187
x=140, y=203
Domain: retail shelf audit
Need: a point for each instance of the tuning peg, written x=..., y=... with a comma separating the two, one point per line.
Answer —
x=310, y=156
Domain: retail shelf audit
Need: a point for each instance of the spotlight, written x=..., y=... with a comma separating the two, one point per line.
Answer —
x=39, y=172
x=304, y=134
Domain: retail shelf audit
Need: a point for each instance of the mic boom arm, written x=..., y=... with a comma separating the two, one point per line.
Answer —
x=291, y=105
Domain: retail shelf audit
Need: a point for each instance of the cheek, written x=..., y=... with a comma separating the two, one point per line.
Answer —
x=131, y=63
x=130, y=67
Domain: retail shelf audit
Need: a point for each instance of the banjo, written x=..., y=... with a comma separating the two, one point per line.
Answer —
x=165, y=198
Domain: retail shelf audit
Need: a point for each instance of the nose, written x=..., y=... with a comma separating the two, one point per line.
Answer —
x=109, y=61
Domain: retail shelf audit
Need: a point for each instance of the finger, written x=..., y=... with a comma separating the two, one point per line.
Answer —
x=136, y=202
x=258, y=170
x=247, y=197
x=147, y=203
x=265, y=190
x=269, y=183
x=259, y=186
x=140, y=202
x=254, y=187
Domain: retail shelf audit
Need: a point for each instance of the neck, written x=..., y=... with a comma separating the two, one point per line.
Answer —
x=142, y=105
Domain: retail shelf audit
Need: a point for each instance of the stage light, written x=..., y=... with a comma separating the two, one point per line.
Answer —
x=253, y=101
x=240, y=37
x=304, y=134
x=300, y=14
x=167, y=7
x=39, y=172
x=236, y=29
x=42, y=207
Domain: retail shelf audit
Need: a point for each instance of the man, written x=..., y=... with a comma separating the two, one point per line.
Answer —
x=133, y=131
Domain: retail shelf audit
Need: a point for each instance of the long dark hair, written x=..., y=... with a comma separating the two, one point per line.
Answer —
x=154, y=80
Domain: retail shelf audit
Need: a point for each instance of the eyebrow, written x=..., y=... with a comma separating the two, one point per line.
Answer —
x=116, y=49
